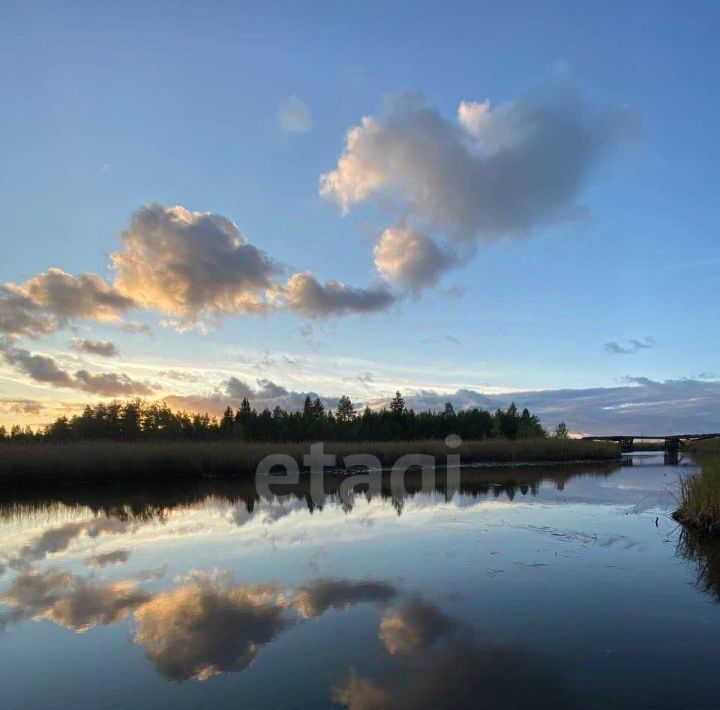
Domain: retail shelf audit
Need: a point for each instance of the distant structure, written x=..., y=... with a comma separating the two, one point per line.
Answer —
x=671, y=442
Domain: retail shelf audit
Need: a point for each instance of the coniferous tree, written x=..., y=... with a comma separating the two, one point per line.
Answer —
x=227, y=422
x=345, y=409
x=308, y=408
x=397, y=405
x=245, y=408
x=130, y=421
x=561, y=431
x=318, y=408
x=137, y=420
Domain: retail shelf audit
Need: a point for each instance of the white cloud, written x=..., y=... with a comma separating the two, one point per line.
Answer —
x=405, y=256
x=489, y=173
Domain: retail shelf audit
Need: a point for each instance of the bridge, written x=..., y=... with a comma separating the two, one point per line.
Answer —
x=671, y=442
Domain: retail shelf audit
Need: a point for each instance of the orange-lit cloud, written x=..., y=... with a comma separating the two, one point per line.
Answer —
x=192, y=265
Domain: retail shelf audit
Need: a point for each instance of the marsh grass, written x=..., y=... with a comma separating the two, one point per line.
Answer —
x=39, y=464
x=700, y=494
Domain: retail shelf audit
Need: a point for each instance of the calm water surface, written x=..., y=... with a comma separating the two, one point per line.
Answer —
x=527, y=587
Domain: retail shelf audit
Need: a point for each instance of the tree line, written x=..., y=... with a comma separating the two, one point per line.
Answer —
x=139, y=420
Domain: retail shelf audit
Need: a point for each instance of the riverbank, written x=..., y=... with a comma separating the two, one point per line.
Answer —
x=700, y=494
x=116, y=462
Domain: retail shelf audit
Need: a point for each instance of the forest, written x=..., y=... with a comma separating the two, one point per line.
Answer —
x=139, y=420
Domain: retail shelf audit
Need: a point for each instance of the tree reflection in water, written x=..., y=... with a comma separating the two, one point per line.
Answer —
x=147, y=502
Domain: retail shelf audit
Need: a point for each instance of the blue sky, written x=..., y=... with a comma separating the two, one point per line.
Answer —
x=107, y=109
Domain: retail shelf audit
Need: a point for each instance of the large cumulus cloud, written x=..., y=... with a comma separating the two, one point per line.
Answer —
x=486, y=173
x=191, y=264
x=198, y=267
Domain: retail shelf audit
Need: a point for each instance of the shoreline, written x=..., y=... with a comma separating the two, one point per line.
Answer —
x=107, y=463
x=136, y=498
x=699, y=509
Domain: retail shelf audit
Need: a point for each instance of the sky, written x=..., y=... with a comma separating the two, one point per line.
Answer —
x=474, y=202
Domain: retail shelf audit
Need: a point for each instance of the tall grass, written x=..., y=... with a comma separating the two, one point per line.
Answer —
x=152, y=462
x=700, y=494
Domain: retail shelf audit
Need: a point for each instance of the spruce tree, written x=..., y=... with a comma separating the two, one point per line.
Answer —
x=397, y=405
x=345, y=409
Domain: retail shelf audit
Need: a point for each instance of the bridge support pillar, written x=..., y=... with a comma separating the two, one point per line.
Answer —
x=626, y=444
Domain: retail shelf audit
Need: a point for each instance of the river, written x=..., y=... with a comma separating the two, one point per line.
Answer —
x=567, y=586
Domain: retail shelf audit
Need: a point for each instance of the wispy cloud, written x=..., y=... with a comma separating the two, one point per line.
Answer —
x=363, y=378
x=434, y=339
x=632, y=346
x=294, y=116
x=104, y=348
x=45, y=369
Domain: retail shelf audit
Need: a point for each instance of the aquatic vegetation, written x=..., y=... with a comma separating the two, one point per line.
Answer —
x=700, y=494
x=151, y=462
